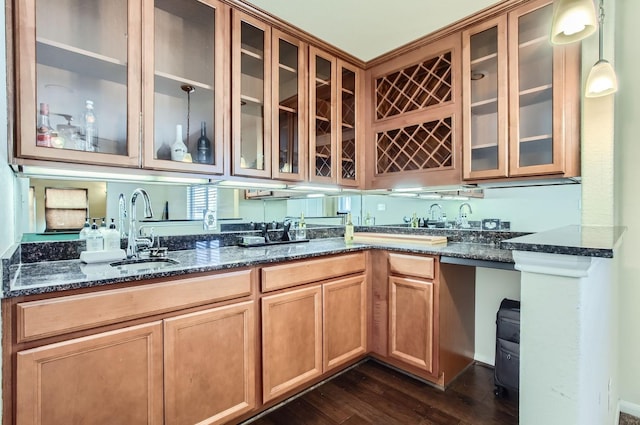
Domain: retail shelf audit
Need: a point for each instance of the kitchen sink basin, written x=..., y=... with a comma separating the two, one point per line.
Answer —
x=144, y=264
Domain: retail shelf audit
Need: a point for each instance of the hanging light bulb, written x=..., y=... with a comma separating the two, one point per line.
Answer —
x=572, y=21
x=602, y=78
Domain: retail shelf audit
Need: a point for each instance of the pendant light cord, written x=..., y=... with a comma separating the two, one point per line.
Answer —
x=601, y=31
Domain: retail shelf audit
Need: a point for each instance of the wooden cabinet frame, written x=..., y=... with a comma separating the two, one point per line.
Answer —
x=502, y=99
x=39, y=368
x=302, y=121
x=26, y=97
x=221, y=96
x=566, y=104
x=284, y=368
x=565, y=99
x=446, y=110
x=238, y=18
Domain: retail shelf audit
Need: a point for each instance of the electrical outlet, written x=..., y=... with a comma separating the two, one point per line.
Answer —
x=382, y=207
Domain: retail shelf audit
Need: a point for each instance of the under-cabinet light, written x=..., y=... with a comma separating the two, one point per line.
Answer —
x=430, y=196
x=71, y=174
x=315, y=188
x=251, y=185
x=316, y=195
x=408, y=189
x=573, y=20
x=404, y=195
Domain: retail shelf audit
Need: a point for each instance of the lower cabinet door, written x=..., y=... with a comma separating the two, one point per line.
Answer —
x=210, y=365
x=291, y=340
x=345, y=320
x=110, y=378
x=411, y=322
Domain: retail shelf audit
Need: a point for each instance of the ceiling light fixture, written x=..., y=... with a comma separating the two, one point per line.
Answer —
x=602, y=79
x=573, y=20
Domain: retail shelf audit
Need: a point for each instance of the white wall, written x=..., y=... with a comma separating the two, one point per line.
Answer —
x=492, y=286
x=628, y=203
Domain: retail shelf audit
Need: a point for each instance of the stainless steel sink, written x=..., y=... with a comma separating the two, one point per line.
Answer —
x=144, y=264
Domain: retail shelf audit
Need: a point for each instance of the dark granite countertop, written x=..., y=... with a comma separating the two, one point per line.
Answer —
x=586, y=241
x=52, y=276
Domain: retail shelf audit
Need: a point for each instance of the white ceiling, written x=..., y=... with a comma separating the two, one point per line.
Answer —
x=368, y=28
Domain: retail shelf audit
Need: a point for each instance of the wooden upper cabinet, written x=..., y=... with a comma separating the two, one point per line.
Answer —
x=323, y=125
x=289, y=110
x=349, y=113
x=185, y=53
x=61, y=65
x=107, y=378
x=414, y=109
x=250, y=96
x=335, y=108
x=485, y=85
x=521, y=97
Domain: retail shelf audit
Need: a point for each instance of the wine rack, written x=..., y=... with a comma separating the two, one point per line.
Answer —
x=414, y=88
x=416, y=147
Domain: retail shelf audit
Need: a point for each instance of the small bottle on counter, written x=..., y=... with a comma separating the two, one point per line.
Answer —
x=95, y=241
x=348, y=231
x=85, y=230
x=414, y=221
x=301, y=230
x=112, y=237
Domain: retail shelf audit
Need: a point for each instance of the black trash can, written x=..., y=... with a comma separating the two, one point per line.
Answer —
x=507, y=371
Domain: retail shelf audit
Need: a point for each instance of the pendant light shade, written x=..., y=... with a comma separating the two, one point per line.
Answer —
x=602, y=80
x=573, y=20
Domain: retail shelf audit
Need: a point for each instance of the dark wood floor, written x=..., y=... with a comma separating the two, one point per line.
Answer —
x=372, y=393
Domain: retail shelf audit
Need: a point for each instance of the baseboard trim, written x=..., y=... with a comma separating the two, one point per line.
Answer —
x=629, y=408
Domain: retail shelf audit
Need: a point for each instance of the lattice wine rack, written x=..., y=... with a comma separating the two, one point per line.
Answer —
x=414, y=88
x=409, y=137
x=417, y=147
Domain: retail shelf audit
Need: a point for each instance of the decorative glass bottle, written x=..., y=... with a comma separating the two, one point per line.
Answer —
x=204, y=145
x=178, y=149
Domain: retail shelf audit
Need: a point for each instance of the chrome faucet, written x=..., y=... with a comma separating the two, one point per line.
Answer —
x=134, y=242
x=122, y=214
x=439, y=216
x=462, y=217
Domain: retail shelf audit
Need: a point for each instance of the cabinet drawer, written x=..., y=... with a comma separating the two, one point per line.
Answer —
x=301, y=272
x=412, y=265
x=39, y=319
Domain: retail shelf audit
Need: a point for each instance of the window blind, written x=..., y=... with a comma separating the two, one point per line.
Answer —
x=200, y=199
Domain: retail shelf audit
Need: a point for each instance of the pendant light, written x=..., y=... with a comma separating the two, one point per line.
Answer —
x=602, y=79
x=573, y=20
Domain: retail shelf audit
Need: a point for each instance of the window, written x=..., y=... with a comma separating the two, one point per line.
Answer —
x=65, y=209
x=200, y=199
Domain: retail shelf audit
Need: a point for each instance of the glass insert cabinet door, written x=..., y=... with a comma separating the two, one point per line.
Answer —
x=78, y=80
x=250, y=96
x=536, y=138
x=323, y=125
x=183, y=130
x=485, y=88
x=348, y=82
x=289, y=107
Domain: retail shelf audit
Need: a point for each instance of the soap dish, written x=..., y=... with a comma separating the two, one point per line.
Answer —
x=103, y=256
